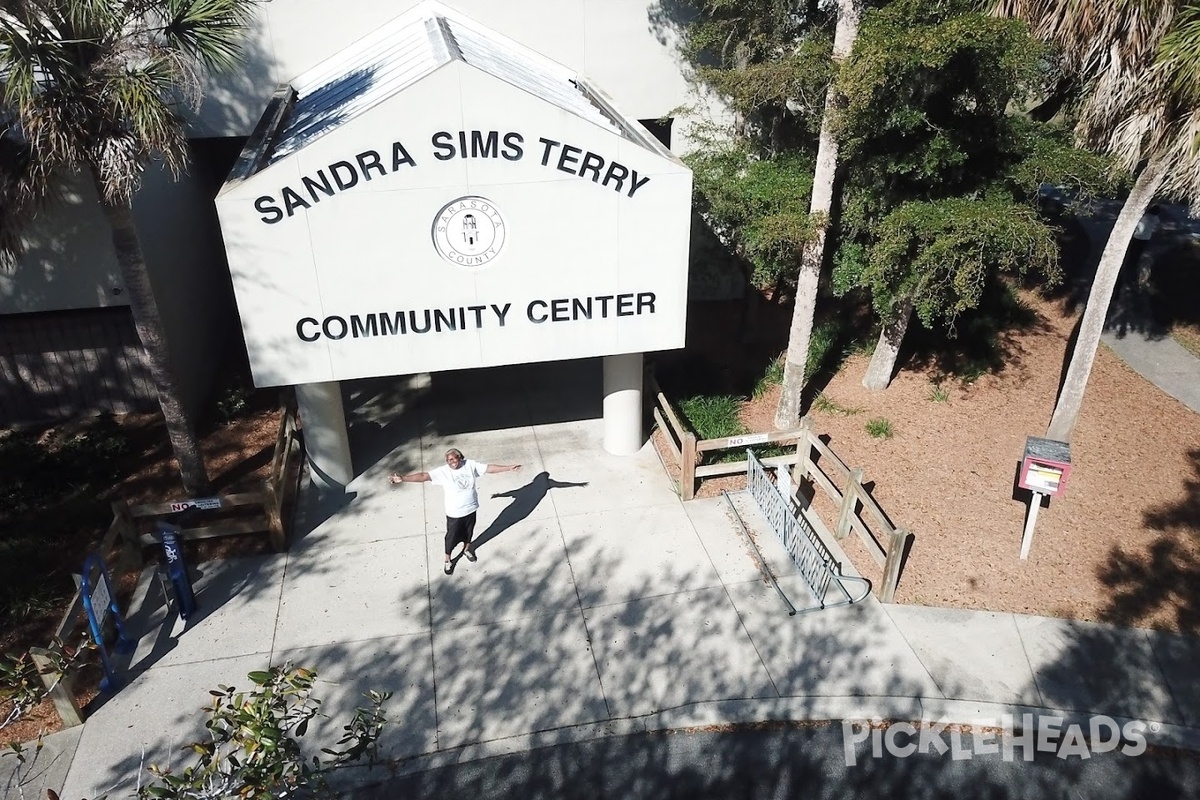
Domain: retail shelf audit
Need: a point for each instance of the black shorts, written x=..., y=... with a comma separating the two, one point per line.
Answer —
x=459, y=529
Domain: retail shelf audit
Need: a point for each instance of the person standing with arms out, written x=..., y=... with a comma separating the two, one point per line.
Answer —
x=459, y=481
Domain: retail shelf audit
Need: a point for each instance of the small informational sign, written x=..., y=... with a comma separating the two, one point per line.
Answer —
x=99, y=605
x=1045, y=466
x=204, y=503
x=742, y=441
x=101, y=602
x=1044, y=470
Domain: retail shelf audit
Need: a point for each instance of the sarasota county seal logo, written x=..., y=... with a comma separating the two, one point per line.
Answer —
x=469, y=231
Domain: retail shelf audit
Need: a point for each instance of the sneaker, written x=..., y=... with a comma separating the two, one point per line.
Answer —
x=448, y=567
x=470, y=554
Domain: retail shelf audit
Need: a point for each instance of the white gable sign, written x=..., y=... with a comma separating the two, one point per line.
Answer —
x=461, y=220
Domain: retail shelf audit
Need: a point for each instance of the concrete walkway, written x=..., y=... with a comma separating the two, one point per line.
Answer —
x=1130, y=330
x=600, y=605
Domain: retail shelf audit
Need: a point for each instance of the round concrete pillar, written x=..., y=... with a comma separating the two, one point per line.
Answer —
x=623, y=404
x=326, y=442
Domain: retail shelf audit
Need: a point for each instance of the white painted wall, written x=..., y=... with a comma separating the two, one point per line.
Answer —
x=188, y=271
x=368, y=249
x=629, y=48
x=69, y=261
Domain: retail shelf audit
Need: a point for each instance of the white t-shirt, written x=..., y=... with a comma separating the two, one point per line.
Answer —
x=458, y=487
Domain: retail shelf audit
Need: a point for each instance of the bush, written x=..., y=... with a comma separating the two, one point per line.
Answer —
x=880, y=428
x=713, y=416
x=254, y=750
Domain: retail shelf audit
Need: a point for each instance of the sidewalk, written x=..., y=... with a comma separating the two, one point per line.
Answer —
x=594, y=609
x=1129, y=330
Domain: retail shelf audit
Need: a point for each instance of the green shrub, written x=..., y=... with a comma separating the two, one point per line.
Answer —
x=713, y=416
x=252, y=748
x=823, y=403
x=880, y=428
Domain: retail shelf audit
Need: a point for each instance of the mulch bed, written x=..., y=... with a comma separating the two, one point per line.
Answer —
x=1122, y=545
x=237, y=455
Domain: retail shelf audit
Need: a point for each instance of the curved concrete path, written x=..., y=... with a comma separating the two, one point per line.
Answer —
x=1130, y=331
x=600, y=605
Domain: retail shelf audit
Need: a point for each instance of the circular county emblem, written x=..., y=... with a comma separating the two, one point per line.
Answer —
x=469, y=231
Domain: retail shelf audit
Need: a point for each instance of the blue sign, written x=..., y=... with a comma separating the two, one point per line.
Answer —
x=177, y=570
x=100, y=602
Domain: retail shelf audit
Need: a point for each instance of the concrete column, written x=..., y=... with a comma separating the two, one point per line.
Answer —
x=326, y=441
x=623, y=404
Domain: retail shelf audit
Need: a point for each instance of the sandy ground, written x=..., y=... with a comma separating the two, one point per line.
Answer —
x=1122, y=545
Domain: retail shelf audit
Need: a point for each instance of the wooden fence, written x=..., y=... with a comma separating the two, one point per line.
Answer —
x=237, y=514
x=222, y=515
x=813, y=465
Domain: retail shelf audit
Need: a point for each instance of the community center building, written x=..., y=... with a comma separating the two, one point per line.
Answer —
x=392, y=189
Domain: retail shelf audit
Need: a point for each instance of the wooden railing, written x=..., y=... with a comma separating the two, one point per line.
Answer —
x=812, y=463
x=59, y=687
x=132, y=526
x=858, y=511
x=237, y=514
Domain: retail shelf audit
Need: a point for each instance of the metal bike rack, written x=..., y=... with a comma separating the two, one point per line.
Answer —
x=810, y=555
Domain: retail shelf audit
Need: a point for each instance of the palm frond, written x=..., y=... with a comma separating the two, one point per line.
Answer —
x=98, y=84
x=1138, y=66
x=1178, y=63
x=209, y=30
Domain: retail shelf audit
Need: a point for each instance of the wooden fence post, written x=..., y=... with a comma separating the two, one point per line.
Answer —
x=56, y=688
x=687, y=466
x=131, y=548
x=273, y=506
x=803, y=452
x=891, y=567
x=849, y=502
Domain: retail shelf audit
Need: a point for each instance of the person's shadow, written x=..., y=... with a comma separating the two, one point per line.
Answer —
x=524, y=500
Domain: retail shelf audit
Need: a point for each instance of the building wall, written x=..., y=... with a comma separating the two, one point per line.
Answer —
x=66, y=363
x=628, y=48
x=181, y=241
x=69, y=261
x=47, y=368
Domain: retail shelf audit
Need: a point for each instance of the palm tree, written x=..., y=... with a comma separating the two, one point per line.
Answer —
x=97, y=86
x=1137, y=66
x=812, y=255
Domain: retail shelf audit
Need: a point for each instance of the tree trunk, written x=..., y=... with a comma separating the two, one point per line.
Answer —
x=883, y=360
x=1070, y=397
x=812, y=255
x=148, y=322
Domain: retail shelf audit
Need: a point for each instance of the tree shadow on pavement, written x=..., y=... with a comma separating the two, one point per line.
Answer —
x=775, y=760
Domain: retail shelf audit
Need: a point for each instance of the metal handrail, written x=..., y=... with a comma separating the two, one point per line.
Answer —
x=812, y=558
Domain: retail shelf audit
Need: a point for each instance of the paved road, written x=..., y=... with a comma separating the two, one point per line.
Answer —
x=785, y=761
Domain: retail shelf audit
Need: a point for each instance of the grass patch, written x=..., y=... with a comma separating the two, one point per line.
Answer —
x=823, y=403
x=1189, y=337
x=772, y=377
x=880, y=428
x=718, y=417
x=938, y=393
x=832, y=342
x=713, y=416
